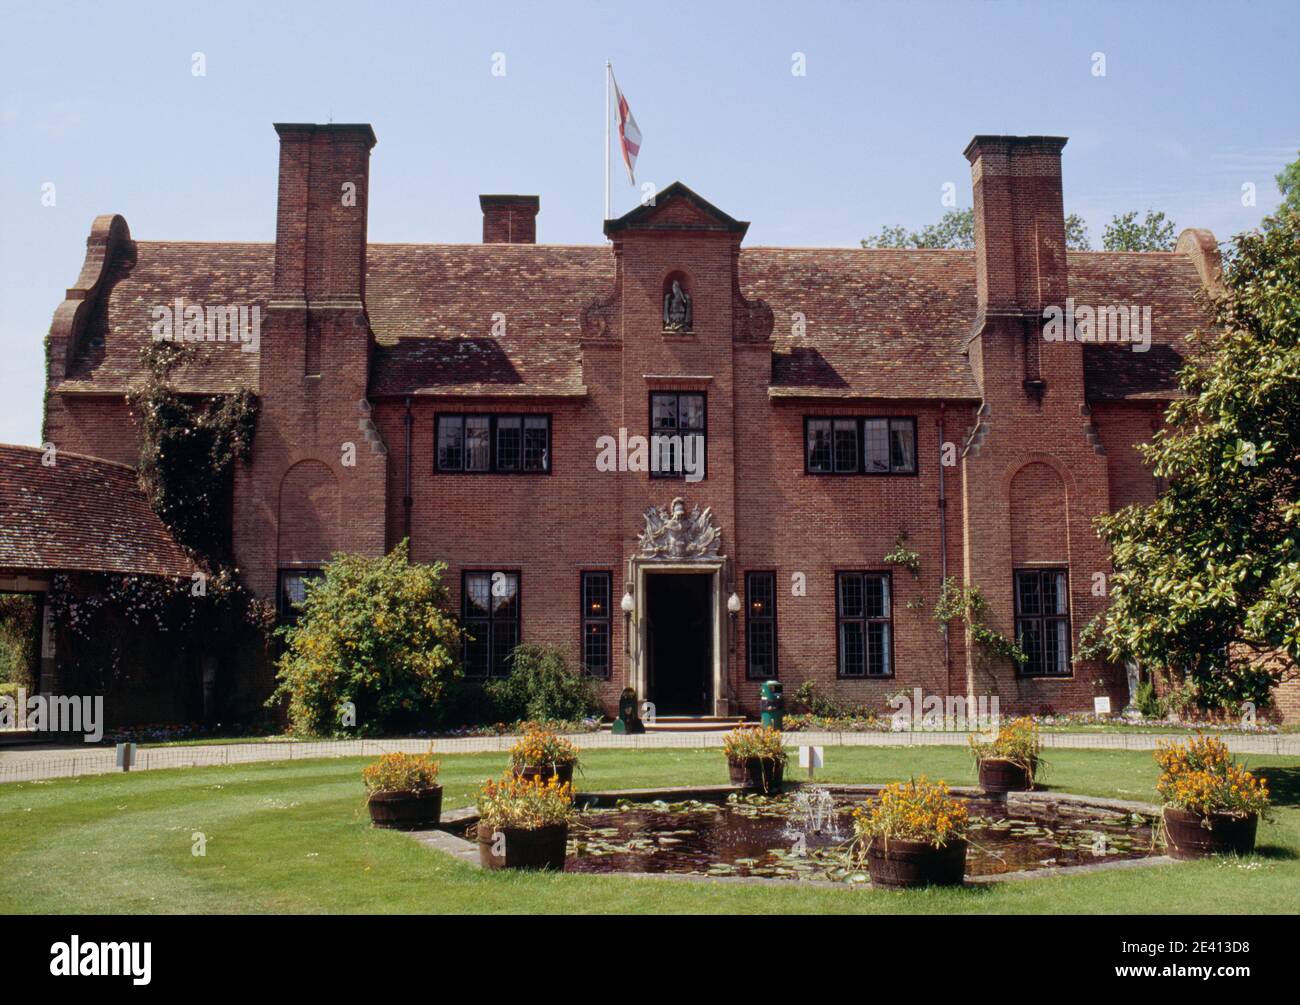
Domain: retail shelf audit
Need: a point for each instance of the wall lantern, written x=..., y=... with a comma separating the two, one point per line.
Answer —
x=627, y=605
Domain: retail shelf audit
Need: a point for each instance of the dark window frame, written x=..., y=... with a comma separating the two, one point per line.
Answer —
x=860, y=470
x=703, y=431
x=1043, y=619
x=763, y=621
x=283, y=613
x=840, y=620
x=493, y=467
x=607, y=620
x=490, y=620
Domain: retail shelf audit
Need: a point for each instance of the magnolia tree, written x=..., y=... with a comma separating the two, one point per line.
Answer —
x=371, y=650
x=1206, y=586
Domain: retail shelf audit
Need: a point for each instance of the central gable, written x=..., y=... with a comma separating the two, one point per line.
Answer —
x=677, y=208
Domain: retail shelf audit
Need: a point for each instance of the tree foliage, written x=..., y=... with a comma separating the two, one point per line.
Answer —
x=1125, y=233
x=543, y=687
x=372, y=649
x=1206, y=584
x=1288, y=183
x=956, y=229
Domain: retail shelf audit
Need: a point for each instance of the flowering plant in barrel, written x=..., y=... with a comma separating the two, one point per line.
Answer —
x=403, y=790
x=1211, y=804
x=914, y=834
x=524, y=822
x=755, y=757
x=542, y=753
x=1008, y=762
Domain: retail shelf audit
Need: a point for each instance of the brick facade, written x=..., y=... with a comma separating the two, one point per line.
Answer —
x=362, y=346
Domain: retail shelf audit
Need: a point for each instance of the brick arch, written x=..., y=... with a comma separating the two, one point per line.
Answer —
x=309, y=514
x=1038, y=506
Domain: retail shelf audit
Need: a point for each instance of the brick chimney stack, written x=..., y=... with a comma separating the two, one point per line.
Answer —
x=1019, y=222
x=320, y=228
x=509, y=219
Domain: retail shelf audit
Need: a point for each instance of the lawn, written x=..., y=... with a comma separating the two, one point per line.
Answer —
x=295, y=837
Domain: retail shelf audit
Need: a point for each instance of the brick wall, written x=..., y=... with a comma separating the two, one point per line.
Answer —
x=1033, y=463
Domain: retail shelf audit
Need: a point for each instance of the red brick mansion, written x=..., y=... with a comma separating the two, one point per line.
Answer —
x=682, y=458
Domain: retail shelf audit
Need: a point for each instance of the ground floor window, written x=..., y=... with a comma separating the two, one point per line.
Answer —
x=760, y=625
x=293, y=591
x=490, y=617
x=865, y=631
x=1043, y=621
x=596, y=623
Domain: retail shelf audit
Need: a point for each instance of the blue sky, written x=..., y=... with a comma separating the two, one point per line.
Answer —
x=99, y=99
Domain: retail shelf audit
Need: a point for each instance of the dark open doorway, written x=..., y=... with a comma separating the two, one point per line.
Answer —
x=679, y=649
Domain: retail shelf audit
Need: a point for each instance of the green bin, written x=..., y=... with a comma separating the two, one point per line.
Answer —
x=771, y=704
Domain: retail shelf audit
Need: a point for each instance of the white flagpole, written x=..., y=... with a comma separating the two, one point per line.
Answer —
x=607, y=74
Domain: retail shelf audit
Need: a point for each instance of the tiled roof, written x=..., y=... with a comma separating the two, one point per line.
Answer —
x=1166, y=282
x=876, y=322
x=80, y=514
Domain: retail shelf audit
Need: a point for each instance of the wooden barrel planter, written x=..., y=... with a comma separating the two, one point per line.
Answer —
x=564, y=772
x=538, y=848
x=1193, y=835
x=997, y=774
x=900, y=865
x=406, y=810
x=763, y=774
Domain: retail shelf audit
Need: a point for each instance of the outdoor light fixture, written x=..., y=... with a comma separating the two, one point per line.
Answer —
x=628, y=605
x=733, y=608
x=733, y=605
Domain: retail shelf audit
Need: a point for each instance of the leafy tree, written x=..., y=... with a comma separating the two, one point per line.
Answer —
x=1076, y=233
x=373, y=634
x=1125, y=233
x=956, y=229
x=1206, y=586
x=1288, y=183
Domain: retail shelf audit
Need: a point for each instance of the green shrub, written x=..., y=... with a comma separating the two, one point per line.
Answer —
x=1148, y=702
x=18, y=636
x=542, y=687
x=373, y=632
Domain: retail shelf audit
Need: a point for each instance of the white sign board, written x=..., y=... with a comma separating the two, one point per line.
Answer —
x=1101, y=706
x=810, y=757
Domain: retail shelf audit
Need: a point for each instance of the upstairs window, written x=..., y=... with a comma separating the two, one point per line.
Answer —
x=678, y=434
x=506, y=444
x=855, y=445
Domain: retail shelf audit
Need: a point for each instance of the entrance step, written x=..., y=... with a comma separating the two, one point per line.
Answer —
x=693, y=723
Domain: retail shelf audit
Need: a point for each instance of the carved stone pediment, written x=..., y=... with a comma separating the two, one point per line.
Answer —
x=673, y=534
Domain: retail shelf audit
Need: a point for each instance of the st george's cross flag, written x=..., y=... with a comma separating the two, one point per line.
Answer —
x=629, y=136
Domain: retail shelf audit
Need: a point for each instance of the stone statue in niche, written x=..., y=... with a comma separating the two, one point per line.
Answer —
x=677, y=309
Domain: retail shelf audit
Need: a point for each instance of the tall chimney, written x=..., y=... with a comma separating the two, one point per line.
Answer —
x=320, y=228
x=1019, y=222
x=509, y=219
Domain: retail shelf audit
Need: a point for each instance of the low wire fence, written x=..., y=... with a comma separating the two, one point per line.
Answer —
x=18, y=764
